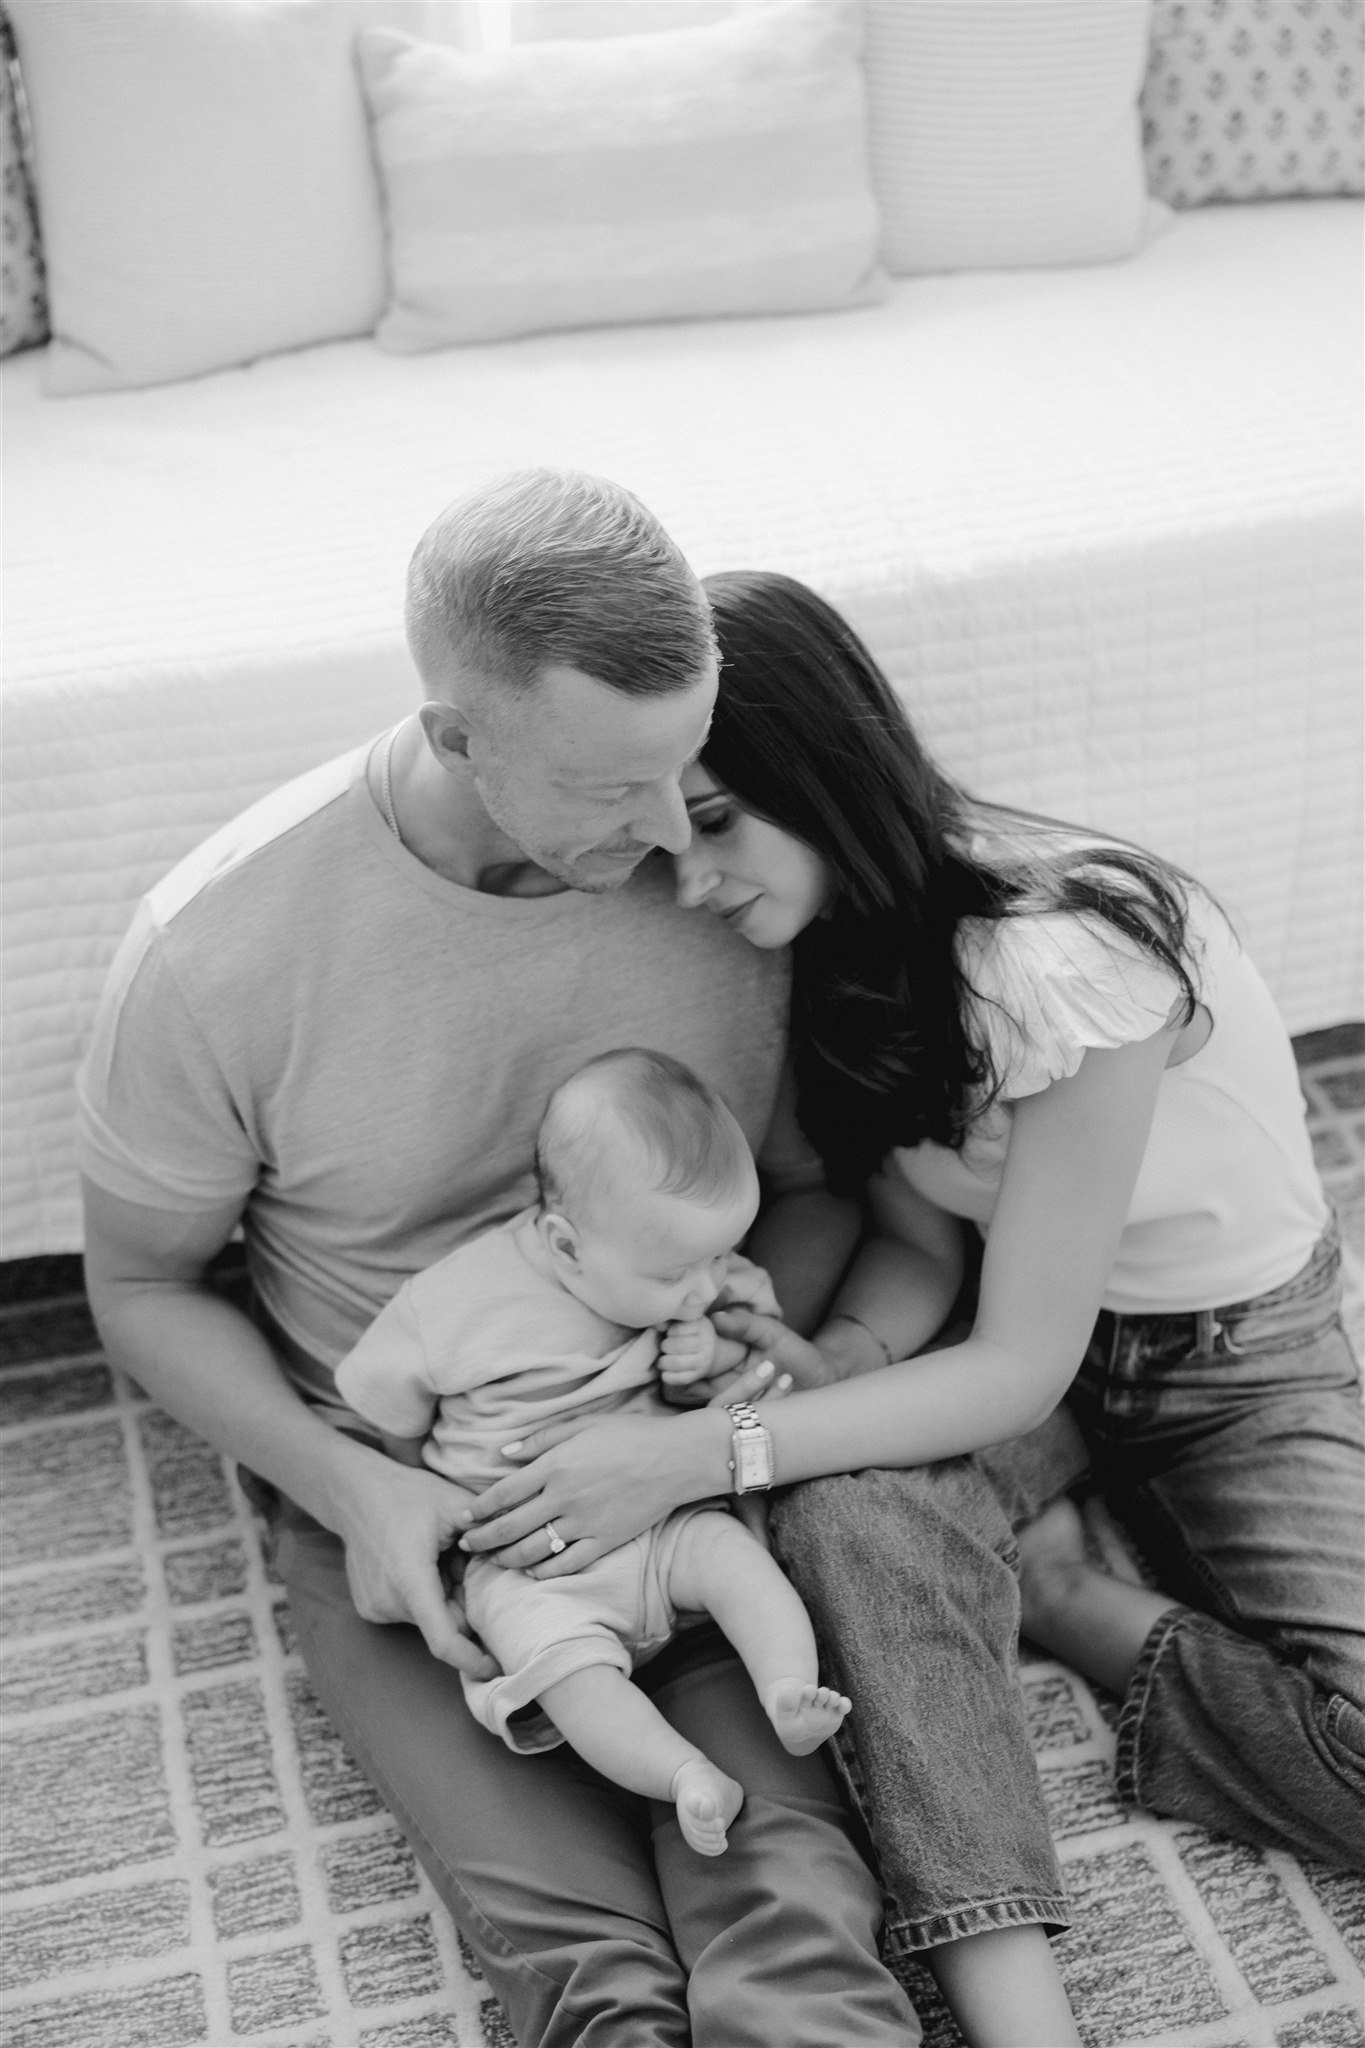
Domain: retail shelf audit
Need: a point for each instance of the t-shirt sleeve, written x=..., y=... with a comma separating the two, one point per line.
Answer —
x=1047, y=988
x=385, y=1377
x=155, y=1119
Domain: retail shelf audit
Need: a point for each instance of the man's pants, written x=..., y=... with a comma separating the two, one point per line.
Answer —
x=592, y=1919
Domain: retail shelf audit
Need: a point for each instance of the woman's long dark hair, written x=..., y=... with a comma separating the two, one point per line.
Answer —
x=808, y=734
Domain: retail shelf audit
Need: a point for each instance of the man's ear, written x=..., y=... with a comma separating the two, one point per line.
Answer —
x=560, y=1239
x=446, y=732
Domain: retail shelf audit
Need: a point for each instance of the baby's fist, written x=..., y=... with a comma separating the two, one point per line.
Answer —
x=688, y=1352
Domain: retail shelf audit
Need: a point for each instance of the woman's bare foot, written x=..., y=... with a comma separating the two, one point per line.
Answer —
x=804, y=1716
x=707, y=1802
x=1093, y=1622
x=1053, y=1564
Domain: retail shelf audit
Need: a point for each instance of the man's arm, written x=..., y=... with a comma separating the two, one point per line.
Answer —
x=204, y=1362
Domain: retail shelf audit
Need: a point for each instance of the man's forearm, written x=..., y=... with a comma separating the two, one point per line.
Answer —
x=898, y=1293
x=805, y=1241
x=204, y=1362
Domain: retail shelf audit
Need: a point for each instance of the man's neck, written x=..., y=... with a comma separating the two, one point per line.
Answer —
x=442, y=822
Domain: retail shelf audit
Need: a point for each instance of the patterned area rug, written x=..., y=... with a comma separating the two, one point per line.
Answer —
x=189, y=1855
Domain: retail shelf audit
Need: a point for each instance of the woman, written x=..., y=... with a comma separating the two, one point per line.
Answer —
x=1005, y=1022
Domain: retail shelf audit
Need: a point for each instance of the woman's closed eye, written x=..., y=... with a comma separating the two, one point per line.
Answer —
x=714, y=821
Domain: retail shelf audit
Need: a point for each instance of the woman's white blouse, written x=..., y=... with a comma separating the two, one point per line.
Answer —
x=1227, y=1202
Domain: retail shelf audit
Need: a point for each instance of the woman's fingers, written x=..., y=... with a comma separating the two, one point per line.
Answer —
x=586, y=1551
x=770, y=1338
x=537, y=1440
x=496, y=1533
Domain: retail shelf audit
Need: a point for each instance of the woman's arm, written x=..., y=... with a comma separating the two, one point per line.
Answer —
x=1073, y=1160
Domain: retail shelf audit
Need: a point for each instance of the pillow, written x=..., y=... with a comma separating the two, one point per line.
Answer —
x=204, y=179
x=23, y=298
x=1006, y=132
x=699, y=171
x=1254, y=99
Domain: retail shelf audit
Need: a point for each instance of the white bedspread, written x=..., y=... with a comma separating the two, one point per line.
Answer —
x=1102, y=526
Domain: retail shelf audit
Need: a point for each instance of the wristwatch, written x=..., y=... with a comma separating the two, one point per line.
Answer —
x=751, y=1449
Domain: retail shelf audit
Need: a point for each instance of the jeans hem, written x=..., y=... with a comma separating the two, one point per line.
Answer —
x=902, y=1937
x=1128, y=1739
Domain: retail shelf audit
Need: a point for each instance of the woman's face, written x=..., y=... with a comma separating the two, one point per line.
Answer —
x=758, y=878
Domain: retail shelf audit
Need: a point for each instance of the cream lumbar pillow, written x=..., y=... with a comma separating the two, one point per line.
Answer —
x=205, y=184
x=696, y=172
x=1005, y=132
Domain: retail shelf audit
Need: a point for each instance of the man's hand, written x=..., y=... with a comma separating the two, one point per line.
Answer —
x=395, y=1528
x=688, y=1352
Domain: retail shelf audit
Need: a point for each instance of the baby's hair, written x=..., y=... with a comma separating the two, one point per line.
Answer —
x=692, y=1144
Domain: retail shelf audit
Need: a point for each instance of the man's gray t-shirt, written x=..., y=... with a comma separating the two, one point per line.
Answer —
x=305, y=1019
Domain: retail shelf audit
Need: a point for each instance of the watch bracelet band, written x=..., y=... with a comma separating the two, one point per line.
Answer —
x=748, y=1423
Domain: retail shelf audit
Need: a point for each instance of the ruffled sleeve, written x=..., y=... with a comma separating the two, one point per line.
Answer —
x=1049, y=986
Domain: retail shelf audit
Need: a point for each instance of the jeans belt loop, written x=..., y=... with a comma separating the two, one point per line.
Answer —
x=1220, y=1331
x=1206, y=1328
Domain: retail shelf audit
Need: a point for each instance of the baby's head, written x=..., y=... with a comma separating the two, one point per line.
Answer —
x=646, y=1183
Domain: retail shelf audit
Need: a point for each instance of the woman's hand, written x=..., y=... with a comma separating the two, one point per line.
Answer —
x=599, y=1485
x=796, y=1362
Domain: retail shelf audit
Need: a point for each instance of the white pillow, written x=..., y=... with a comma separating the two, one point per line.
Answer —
x=695, y=172
x=204, y=179
x=1005, y=132
x=1254, y=99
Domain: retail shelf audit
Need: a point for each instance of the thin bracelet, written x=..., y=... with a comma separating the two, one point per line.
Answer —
x=842, y=1315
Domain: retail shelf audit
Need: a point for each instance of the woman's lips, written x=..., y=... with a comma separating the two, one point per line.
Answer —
x=737, y=910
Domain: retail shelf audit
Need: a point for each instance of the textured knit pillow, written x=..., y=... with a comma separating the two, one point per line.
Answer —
x=1005, y=132
x=1254, y=99
x=700, y=171
x=204, y=179
x=23, y=294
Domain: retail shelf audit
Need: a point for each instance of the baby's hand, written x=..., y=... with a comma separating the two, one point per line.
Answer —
x=688, y=1352
x=747, y=1286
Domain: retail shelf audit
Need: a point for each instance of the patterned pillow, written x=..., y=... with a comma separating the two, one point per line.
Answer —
x=682, y=175
x=1254, y=99
x=23, y=289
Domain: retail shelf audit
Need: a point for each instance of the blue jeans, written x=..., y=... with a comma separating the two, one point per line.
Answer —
x=1231, y=1441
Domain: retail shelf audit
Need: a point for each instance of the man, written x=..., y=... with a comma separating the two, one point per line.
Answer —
x=337, y=1024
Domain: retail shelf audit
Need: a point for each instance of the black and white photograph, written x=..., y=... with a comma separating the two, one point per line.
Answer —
x=683, y=943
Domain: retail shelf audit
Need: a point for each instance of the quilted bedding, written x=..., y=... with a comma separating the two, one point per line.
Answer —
x=1102, y=526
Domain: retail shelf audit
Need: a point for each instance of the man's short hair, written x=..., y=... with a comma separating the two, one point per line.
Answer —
x=550, y=567
x=691, y=1144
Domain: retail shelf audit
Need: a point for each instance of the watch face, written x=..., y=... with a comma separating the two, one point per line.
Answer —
x=754, y=1460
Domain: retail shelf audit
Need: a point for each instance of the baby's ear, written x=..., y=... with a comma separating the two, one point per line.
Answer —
x=560, y=1239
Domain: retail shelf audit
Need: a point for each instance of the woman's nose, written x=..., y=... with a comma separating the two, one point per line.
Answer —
x=696, y=876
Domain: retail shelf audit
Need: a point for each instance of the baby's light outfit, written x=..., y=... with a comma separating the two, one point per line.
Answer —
x=479, y=1350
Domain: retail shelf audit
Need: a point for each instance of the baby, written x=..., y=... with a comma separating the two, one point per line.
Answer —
x=646, y=1186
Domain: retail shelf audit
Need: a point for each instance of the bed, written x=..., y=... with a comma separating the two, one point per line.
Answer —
x=1102, y=526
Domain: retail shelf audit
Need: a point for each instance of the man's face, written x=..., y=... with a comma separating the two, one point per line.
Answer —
x=585, y=780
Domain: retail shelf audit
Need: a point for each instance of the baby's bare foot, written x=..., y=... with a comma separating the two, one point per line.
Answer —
x=803, y=1715
x=707, y=1802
